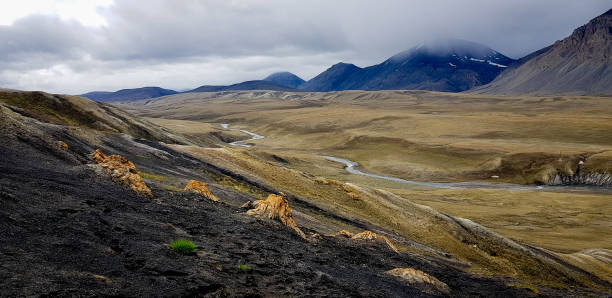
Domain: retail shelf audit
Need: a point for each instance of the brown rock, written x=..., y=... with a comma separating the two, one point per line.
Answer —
x=369, y=235
x=366, y=235
x=122, y=171
x=200, y=188
x=63, y=145
x=344, y=233
x=275, y=207
x=424, y=281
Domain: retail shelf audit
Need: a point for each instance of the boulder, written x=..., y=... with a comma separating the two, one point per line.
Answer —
x=122, y=171
x=421, y=280
x=200, y=187
x=274, y=207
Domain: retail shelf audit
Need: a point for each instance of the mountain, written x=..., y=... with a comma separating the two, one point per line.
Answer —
x=129, y=94
x=248, y=85
x=580, y=64
x=285, y=79
x=443, y=65
x=332, y=78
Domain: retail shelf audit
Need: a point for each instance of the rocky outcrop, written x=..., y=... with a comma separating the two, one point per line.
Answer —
x=200, y=187
x=577, y=176
x=122, y=171
x=274, y=207
x=420, y=279
x=367, y=235
x=581, y=178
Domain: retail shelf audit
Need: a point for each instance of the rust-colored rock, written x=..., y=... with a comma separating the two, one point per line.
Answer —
x=344, y=233
x=63, y=145
x=366, y=235
x=274, y=207
x=122, y=171
x=424, y=281
x=369, y=235
x=200, y=188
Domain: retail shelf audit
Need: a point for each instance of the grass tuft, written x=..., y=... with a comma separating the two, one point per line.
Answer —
x=183, y=246
x=173, y=188
x=150, y=176
x=244, y=267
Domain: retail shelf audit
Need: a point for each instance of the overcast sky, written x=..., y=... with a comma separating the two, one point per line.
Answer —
x=74, y=46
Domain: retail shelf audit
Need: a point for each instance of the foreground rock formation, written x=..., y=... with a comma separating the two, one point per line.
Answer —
x=122, y=171
x=426, y=282
x=274, y=207
x=367, y=235
x=200, y=187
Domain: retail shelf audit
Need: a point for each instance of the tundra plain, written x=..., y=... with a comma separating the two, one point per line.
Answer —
x=425, y=136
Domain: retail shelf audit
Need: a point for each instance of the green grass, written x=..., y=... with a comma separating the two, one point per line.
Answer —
x=150, y=176
x=172, y=188
x=183, y=246
x=244, y=267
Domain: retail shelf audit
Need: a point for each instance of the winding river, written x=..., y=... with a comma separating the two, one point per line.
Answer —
x=354, y=168
x=242, y=143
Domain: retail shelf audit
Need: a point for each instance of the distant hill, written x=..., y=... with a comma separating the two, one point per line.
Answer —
x=580, y=64
x=129, y=94
x=248, y=85
x=443, y=65
x=285, y=79
x=331, y=79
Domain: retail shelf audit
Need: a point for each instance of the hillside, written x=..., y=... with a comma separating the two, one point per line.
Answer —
x=75, y=226
x=128, y=94
x=442, y=65
x=580, y=64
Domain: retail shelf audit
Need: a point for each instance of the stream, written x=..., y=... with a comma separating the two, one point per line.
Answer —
x=354, y=168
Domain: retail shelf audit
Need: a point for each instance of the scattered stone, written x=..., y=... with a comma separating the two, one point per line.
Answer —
x=424, y=281
x=274, y=207
x=122, y=171
x=200, y=188
x=63, y=145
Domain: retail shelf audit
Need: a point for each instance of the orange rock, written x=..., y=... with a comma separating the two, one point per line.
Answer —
x=366, y=235
x=122, y=171
x=200, y=188
x=419, y=278
x=369, y=235
x=275, y=207
x=63, y=145
x=344, y=233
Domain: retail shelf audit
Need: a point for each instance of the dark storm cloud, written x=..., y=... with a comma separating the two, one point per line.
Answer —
x=182, y=44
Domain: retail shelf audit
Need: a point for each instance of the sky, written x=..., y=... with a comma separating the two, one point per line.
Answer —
x=76, y=46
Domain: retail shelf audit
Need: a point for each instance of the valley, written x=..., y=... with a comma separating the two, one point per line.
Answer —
x=497, y=149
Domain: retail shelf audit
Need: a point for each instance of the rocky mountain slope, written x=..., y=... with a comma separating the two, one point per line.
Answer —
x=443, y=65
x=74, y=224
x=129, y=94
x=285, y=79
x=580, y=64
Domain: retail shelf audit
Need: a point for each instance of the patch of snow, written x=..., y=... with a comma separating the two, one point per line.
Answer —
x=495, y=64
x=478, y=60
x=453, y=65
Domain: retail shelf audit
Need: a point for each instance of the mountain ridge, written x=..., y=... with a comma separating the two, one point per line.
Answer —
x=580, y=64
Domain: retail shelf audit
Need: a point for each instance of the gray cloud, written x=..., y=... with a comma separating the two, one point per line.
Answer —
x=183, y=44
